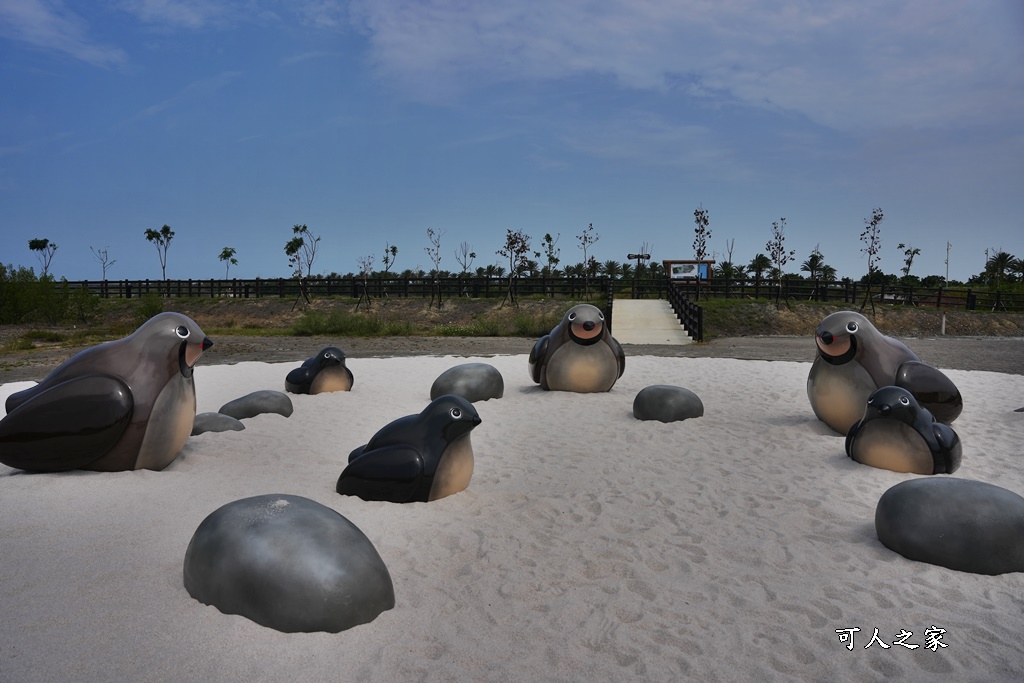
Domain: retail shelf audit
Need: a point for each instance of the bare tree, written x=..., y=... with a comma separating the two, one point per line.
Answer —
x=702, y=233
x=587, y=238
x=227, y=255
x=390, y=253
x=365, y=269
x=434, y=252
x=301, y=252
x=909, y=252
x=776, y=247
x=464, y=256
x=516, y=249
x=551, y=253
x=102, y=256
x=872, y=239
x=162, y=241
x=46, y=250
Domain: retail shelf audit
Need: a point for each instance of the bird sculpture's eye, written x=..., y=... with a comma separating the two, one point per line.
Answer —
x=904, y=400
x=455, y=413
x=572, y=316
x=851, y=327
x=182, y=331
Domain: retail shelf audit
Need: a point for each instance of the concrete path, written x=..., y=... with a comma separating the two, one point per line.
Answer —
x=647, y=321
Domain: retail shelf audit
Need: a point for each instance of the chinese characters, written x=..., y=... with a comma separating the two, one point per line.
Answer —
x=932, y=639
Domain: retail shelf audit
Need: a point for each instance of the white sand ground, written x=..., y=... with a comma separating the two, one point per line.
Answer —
x=589, y=545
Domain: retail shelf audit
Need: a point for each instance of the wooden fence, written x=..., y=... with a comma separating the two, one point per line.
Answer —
x=845, y=292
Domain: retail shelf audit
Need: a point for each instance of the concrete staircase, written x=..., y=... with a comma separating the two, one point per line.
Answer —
x=647, y=321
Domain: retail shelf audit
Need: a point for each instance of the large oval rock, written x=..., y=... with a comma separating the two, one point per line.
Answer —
x=961, y=524
x=215, y=422
x=666, y=403
x=288, y=563
x=472, y=381
x=258, y=403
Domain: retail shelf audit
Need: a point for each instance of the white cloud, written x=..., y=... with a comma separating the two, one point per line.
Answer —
x=849, y=66
x=196, y=90
x=178, y=13
x=50, y=26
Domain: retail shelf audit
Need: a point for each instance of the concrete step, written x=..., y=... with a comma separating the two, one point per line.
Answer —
x=647, y=321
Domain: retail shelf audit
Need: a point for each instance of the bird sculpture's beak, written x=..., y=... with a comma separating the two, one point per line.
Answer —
x=194, y=351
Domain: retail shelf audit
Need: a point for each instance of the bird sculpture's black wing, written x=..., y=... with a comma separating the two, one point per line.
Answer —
x=297, y=381
x=947, y=459
x=850, y=436
x=392, y=473
x=538, y=356
x=67, y=426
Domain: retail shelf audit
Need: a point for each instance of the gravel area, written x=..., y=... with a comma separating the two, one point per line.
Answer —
x=993, y=354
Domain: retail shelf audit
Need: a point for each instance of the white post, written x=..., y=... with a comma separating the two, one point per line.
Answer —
x=943, y=323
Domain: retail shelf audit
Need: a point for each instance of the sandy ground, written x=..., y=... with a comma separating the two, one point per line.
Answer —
x=588, y=546
x=995, y=354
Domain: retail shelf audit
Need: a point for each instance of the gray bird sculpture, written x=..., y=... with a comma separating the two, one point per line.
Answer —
x=123, y=405
x=579, y=354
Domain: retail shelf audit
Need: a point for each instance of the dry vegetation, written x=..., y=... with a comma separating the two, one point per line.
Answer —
x=273, y=317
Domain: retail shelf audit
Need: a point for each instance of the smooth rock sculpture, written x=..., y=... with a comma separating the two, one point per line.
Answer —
x=666, y=403
x=416, y=458
x=472, y=381
x=969, y=526
x=854, y=358
x=324, y=372
x=258, y=403
x=579, y=354
x=215, y=422
x=123, y=405
x=288, y=563
x=897, y=434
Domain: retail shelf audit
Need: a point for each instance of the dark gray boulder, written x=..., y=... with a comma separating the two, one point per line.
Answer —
x=288, y=563
x=472, y=381
x=215, y=422
x=957, y=523
x=666, y=403
x=257, y=403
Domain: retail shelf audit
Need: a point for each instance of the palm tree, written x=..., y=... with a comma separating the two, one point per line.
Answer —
x=611, y=268
x=1017, y=268
x=813, y=265
x=997, y=266
x=758, y=265
x=828, y=273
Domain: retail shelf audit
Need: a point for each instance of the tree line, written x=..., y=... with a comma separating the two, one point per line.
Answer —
x=520, y=259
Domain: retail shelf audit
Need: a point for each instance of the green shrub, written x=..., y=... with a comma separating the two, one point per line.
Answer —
x=43, y=336
x=22, y=343
x=83, y=305
x=150, y=304
x=52, y=299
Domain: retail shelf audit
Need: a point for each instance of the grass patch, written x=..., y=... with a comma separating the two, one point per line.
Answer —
x=510, y=323
x=22, y=343
x=345, y=324
x=214, y=332
x=49, y=336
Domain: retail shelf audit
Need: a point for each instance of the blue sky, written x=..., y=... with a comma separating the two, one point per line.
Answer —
x=370, y=121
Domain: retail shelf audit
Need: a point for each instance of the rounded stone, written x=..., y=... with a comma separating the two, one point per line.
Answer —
x=257, y=403
x=215, y=422
x=666, y=403
x=472, y=381
x=957, y=523
x=287, y=563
